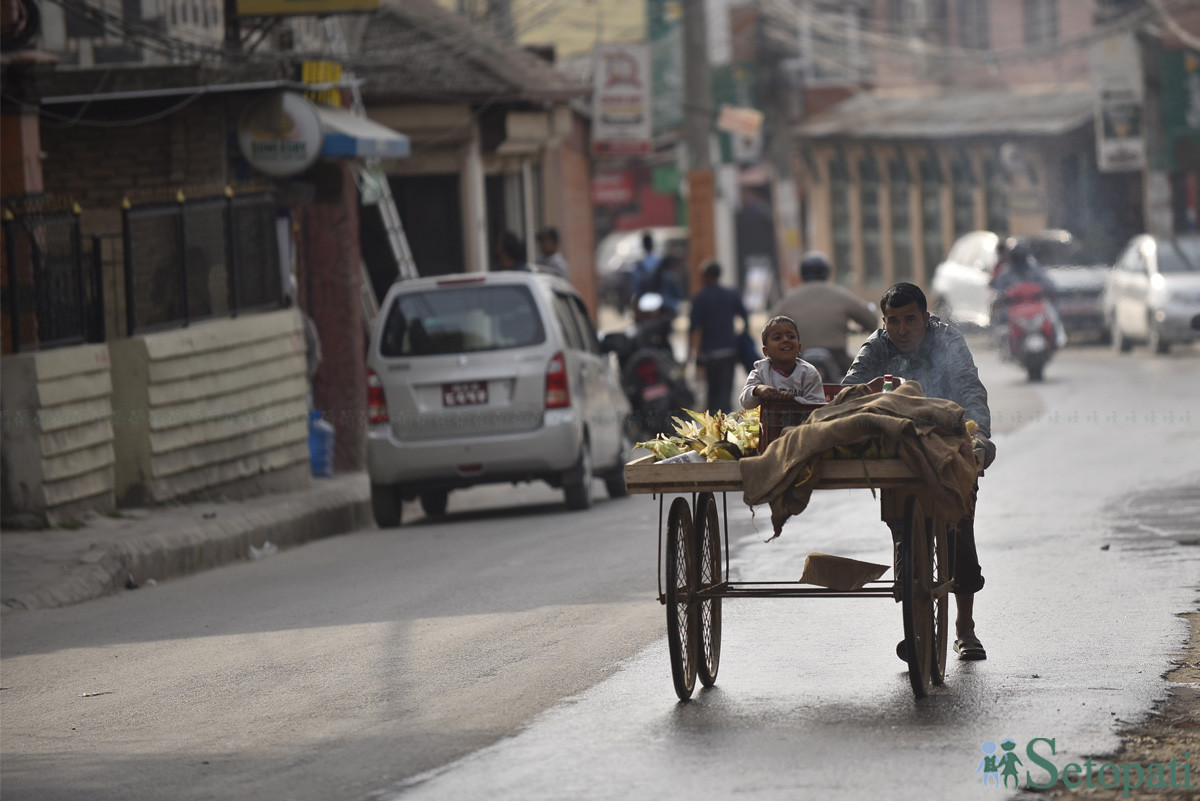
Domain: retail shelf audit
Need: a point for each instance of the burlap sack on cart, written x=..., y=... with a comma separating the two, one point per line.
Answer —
x=928, y=434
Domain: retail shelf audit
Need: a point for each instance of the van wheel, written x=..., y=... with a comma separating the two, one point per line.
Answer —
x=386, y=504
x=577, y=483
x=433, y=502
x=614, y=482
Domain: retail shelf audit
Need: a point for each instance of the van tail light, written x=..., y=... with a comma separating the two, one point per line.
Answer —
x=376, y=403
x=558, y=394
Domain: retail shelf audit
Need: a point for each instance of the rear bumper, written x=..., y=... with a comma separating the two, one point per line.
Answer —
x=543, y=453
x=1082, y=316
x=1175, y=323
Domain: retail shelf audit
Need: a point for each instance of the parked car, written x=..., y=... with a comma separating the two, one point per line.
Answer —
x=960, y=283
x=619, y=252
x=488, y=378
x=1079, y=280
x=961, y=292
x=1153, y=292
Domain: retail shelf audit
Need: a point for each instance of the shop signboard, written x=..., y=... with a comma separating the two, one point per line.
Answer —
x=1115, y=68
x=291, y=8
x=621, y=112
x=1180, y=74
x=280, y=134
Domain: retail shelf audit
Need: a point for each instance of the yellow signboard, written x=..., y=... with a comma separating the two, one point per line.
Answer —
x=322, y=72
x=282, y=8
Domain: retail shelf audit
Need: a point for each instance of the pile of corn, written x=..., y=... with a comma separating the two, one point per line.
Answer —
x=714, y=435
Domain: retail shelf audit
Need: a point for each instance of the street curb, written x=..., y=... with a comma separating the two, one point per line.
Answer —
x=285, y=521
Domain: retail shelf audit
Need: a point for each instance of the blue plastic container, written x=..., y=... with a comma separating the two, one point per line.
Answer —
x=320, y=445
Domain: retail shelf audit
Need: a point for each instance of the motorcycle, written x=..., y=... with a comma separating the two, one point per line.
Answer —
x=653, y=380
x=1029, y=335
x=822, y=359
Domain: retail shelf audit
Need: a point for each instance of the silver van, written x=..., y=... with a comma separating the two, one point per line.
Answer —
x=487, y=378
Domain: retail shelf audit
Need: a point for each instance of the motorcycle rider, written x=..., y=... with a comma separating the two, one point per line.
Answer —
x=1020, y=267
x=822, y=309
x=653, y=274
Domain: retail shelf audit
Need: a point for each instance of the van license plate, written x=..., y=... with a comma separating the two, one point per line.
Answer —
x=466, y=393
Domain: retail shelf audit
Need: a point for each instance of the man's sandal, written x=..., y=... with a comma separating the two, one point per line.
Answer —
x=969, y=649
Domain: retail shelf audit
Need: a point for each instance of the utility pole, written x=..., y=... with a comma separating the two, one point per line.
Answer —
x=779, y=148
x=501, y=17
x=233, y=28
x=697, y=123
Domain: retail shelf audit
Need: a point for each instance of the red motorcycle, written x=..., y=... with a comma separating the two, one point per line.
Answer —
x=1029, y=336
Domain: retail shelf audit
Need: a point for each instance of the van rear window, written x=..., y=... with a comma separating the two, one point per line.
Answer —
x=462, y=319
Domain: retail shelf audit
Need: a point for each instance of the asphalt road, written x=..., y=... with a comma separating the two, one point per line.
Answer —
x=515, y=651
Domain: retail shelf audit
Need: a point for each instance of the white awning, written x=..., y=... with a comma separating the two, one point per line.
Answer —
x=350, y=136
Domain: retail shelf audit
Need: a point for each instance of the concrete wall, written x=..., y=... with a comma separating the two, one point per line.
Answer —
x=57, y=434
x=218, y=407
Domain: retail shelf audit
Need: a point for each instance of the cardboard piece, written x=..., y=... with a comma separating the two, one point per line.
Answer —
x=838, y=572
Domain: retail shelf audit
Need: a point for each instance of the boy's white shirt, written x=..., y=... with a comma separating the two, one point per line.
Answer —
x=804, y=383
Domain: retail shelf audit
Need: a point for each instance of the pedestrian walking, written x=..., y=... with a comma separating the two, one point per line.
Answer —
x=712, y=341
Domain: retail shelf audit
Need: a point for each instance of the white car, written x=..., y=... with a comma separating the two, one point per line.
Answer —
x=961, y=294
x=1153, y=293
x=961, y=284
x=488, y=378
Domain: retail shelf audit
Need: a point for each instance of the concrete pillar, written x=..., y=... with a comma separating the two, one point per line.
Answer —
x=330, y=253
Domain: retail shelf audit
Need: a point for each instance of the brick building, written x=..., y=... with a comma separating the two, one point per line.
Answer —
x=192, y=380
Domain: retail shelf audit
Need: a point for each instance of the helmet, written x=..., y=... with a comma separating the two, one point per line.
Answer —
x=814, y=266
x=1018, y=255
x=650, y=303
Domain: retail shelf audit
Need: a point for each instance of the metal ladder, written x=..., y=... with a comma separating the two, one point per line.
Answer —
x=397, y=240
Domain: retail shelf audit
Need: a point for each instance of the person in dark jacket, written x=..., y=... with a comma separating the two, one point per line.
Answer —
x=654, y=275
x=712, y=343
x=917, y=346
x=823, y=309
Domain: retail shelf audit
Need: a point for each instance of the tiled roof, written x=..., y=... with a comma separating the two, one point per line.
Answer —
x=416, y=50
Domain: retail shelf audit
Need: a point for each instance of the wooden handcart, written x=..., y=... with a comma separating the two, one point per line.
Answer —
x=695, y=577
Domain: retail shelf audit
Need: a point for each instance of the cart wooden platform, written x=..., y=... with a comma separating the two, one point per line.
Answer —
x=694, y=564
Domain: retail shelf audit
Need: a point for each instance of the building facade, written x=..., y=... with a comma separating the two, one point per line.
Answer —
x=970, y=115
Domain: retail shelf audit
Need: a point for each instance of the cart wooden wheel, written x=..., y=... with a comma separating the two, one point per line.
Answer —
x=708, y=568
x=682, y=620
x=916, y=595
x=943, y=574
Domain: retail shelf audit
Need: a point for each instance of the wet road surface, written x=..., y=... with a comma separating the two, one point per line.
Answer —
x=1087, y=527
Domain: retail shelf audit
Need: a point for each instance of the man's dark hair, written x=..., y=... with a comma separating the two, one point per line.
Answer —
x=712, y=270
x=550, y=234
x=513, y=247
x=777, y=320
x=902, y=294
x=648, y=242
x=814, y=267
